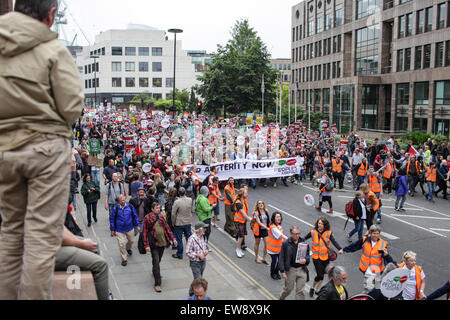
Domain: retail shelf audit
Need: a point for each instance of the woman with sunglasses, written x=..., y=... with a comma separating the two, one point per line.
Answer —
x=260, y=229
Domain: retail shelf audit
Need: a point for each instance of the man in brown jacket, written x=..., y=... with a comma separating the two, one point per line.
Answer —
x=40, y=97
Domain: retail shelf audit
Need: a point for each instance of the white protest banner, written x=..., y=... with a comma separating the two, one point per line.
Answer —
x=252, y=169
x=393, y=283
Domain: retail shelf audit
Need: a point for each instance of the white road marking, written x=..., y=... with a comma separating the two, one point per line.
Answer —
x=422, y=217
x=445, y=230
x=286, y=213
x=434, y=211
x=414, y=225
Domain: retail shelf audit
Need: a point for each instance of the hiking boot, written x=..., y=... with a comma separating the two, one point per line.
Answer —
x=311, y=292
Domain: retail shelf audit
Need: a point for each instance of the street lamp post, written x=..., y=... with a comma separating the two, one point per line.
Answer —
x=174, y=31
x=95, y=73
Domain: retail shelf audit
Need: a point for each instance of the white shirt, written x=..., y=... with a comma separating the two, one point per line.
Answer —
x=252, y=156
x=357, y=158
x=409, y=290
x=363, y=208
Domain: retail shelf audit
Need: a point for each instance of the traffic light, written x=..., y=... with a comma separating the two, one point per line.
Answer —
x=199, y=107
x=105, y=102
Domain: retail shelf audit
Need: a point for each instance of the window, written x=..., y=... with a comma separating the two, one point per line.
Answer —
x=367, y=40
x=421, y=93
x=319, y=24
x=447, y=53
x=427, y=56
x=420, y=21
x=418, y=59
x=143, y=66
x=129, y=67
x=428, y=19
x=103, y=51
x=310, y=28
x=116, y=82
x=157, y=82
x=157, y=96
x=369, y=106
x=442, y=93
x=407, y=59
x=90, y=83
x=116, y=51
x=409, y=24
x=130, y=51
x=143, y=82
x=328, y=21
x=144, y=51
x=85, y=84
x=85, y=70
x=338, y=17
x=130, y=82
x=399, y=60
x=401, y=26
x=338, y=69
x=157, y=66
x=169, y=82
x=366, y=8
x=439, y=59
x=116, y=66
x=403, y=94
x=157, y=52
x=442, y=15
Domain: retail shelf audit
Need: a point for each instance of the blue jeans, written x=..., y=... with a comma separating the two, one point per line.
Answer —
x=96, y=176
x=274, y=265
x=360, y=182
x=179, y=230
x=197, y=267
x=252, y=182
x=431, y=189
x=359, y=227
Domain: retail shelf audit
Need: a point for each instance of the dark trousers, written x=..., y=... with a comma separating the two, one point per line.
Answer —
x=320, y=267
x=327, y=199
x=208, y=230
x=274, y=265
x=388, y=185
x=157, y=254
x=369, y=220
x=91, y=208
x=179, y=231
x=197, y=267
x=413, y=180
x=338, y=177
x=442, y=184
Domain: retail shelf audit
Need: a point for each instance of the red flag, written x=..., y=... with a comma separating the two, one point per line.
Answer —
x=138, y=150
x=412, y=150
x=257, y=128
x=386, y=148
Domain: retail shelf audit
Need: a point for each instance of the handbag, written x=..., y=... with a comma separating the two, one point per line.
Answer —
x=332, y=255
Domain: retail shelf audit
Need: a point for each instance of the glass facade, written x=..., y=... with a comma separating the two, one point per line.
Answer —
x=369, y=108
x=116, y=51
x=442, y=96
x=403, y=94
x=421, y=93
x=367, y=41
x=343, y=105
x=366, y=8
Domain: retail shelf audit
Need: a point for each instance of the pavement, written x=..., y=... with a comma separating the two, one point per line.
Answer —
x=227, y=280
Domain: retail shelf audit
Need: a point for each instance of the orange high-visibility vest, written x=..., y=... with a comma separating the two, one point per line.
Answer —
x=321, y=163
x=233, y=194
x=212, y=198
x=388, y=171
x=319, y=247
x=362, y=171
x=374, y=184
x=337, y=166
x=418, y=270
x=376, y=204
x=407, y=167
x=273, y=244
x=431, y=174
x=238, y=216
x=371, y=257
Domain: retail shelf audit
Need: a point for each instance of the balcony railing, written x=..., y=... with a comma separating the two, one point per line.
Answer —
x=388, y=5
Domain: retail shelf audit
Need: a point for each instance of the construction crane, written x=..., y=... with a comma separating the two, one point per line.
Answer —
x=61, y=21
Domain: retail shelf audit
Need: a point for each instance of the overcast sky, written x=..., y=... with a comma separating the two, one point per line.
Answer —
x=206, y=23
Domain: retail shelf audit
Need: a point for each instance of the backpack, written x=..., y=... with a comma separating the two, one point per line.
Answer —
x=329, y=186
x=349, y=212
x=206, y=181
x=396, y=183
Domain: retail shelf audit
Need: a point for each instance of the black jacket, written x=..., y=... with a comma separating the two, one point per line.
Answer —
x=147, y=206
x=329, y=292
x=357, y=209
x=288, y=254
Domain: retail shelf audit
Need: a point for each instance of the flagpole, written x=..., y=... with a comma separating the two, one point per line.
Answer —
x=295, y=101
x=262, y=93
x=289, y=105
x=281, y=103
x=276, y=105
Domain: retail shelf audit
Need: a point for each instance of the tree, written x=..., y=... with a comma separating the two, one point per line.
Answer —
x=146, y=97
x=192, y=100
x=233, y=79
x=181, y=96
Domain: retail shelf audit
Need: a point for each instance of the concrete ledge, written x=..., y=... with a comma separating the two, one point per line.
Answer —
x=74, y=287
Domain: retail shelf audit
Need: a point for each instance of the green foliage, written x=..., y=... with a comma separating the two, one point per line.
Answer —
x=417, y=137
x=233, y=78
x=167, y=104
x=181, y=96
x=145, y=96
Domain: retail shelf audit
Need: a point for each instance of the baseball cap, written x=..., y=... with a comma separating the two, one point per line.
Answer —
x=200, y=225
